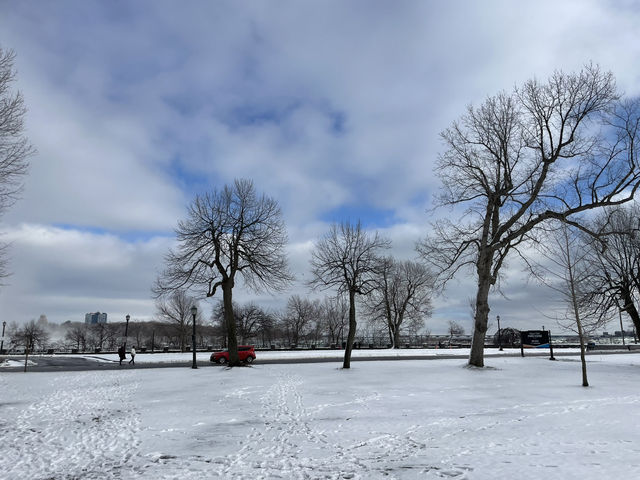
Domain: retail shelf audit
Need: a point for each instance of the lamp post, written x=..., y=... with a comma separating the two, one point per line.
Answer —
x=194, y=311
x=499, y=334
x=126, y=331
x=4, y=324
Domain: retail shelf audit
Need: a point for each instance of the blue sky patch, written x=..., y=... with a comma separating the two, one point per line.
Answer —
x=369, y=217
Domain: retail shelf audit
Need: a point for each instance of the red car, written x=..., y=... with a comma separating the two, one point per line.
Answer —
x=245, y=352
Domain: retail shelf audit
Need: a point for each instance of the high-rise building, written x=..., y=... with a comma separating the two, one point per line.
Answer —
x=93, y=318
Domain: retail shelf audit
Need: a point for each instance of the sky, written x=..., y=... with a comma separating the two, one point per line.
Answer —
x=333, y=108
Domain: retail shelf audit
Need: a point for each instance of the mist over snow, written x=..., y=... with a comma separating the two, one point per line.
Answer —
x=333, y=108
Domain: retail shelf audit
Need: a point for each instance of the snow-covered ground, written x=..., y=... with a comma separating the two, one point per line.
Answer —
x=525, y=418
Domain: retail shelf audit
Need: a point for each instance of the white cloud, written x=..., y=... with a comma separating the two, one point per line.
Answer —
x=66, y=273
x=135, y=106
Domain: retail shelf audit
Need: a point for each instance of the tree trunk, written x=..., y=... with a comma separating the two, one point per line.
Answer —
x=481, y=317
x=396, y=328
x=392, y=336
x=396, y=337
x=631, y=310
x=26, y=355
x=232, y=338
x=583, y=360
x=576, y=312
x=352, y=330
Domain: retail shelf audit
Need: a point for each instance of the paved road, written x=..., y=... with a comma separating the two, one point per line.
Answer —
x=53, y=363
x=70, y=364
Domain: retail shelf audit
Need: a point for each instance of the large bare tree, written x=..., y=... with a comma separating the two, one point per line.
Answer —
x=347, y=258
x=229, y=233
x=614, y=283
x=15, y=149
x=403, y=291
x=549, y=150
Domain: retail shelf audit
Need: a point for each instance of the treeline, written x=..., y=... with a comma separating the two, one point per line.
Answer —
x=304, y=323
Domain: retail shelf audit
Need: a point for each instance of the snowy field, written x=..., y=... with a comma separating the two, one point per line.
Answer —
x=520, y=418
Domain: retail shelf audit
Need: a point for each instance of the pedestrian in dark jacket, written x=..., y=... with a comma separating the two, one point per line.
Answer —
x=121, y=354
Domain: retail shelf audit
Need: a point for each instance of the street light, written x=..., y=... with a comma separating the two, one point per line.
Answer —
x=126, y=331
x=4, y=324
x=499, y=334
x=194, y=311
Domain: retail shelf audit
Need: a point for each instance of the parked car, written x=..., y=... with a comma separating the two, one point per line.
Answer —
x=245, y=352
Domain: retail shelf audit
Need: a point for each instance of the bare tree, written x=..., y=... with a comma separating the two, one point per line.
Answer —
x=546, y=151
x=175, y=309
x=403, y=291
x=267, y=330
x=454, y=328
x=347, y=258
x=300, y=314
x=77, y=335
x=14, y=146
x=228, y=233
x=565, y=268
x=31, y=336
x=615, y=281
x=334, y=314
x=250, y=319
x=101, y=334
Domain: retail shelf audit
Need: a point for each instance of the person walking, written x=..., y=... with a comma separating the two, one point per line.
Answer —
x=122, y=354
x=133, y=355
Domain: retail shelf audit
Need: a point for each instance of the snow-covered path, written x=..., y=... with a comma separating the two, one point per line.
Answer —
x=523, y=418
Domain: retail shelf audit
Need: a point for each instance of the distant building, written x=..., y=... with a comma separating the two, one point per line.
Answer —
x=618, y=333
x=93, y=318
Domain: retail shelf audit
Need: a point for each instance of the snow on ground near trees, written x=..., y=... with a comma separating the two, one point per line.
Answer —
x=521, y=418
x=262, y=355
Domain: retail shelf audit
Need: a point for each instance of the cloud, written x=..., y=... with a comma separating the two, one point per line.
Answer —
x=333, y=108
x=67, y=273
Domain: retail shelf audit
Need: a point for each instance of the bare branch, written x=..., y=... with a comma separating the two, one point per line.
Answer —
x=548, y=151
x=227, y=233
